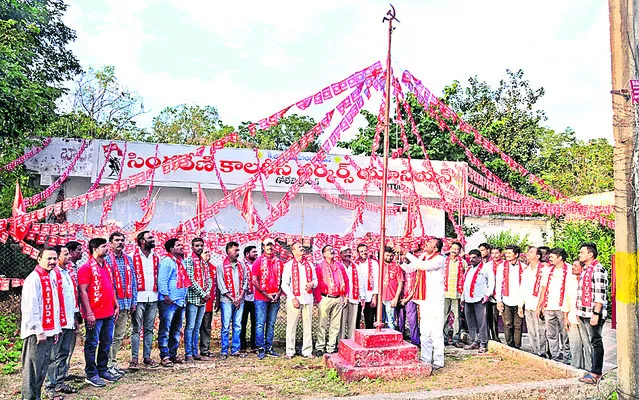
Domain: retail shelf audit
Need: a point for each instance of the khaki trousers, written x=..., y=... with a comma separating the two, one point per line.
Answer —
x=118, y=335
x=330, y=317
x=292, y=318
x=349, y=318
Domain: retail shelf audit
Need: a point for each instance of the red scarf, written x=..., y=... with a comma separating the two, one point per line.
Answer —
x=295, y=272
x=355, y=281
x=183, y=280
x=249, y=267
x=74, y=278
x=473, y=281
x=48, y=311
x=563, y=285
x=198, y=276
x=370, y=275
x=123, y=289
x=420, y=283
x=63, y=311
x=96, y=276
x=460, y=274
x=586, y=290
x=505, y=285
x=264, y=266
x=538, y=275
x=139, y=271
x=228, y=275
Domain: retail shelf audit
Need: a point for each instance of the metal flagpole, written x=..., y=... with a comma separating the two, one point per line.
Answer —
x=390, y=17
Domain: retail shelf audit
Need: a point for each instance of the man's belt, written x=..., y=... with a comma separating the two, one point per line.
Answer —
x=330, y=296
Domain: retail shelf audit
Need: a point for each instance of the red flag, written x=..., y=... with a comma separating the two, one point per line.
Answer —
x=146, y=218
x=247, y=209
x=19, y=228
x=410, y=223
x=201, y=205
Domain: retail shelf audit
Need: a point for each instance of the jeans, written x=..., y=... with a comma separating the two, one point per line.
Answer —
x=249, y=311
x=194, y=316
x=58, y=366
x=409, y=313
x=99, y=338
x=475, y=314
x=389, y=315
x=171, y=316
x=35, y=362
x=205, y=333
x=144, y=318
x=512, y=326
x=593, y=335
x=231, y=315
x=265, y=315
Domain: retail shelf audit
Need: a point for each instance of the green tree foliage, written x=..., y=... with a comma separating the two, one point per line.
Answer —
x=186, y=124
x=280, y=137
x=508, y=237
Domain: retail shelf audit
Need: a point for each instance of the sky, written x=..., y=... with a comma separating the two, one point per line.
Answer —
x=252, y=58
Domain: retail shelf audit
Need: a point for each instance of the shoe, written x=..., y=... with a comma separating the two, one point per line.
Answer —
x=272, y=353
x=474, y=346
x=310, y=357
x=289, y=357
x=190, y=360
x=261, y=354
x=319, y=353
x=109, y=377
x=239, y=355
x=116, y=372
x=436, y=367
x=482, y=350
x=134, y=365
x=95, y=381
x=223, y=356
x=151, y=363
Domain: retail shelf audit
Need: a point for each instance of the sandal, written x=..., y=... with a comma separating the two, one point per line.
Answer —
x=54, y=396
x=66, y=389
x=590, y=379
x=177, y=360
x=151, y=363
x=167, y=363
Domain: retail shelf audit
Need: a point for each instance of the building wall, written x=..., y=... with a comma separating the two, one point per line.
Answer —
x=533, y=227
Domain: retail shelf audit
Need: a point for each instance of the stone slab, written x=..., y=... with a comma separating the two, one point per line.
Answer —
x=349, y=373
x=360, y=356
x=373, y=338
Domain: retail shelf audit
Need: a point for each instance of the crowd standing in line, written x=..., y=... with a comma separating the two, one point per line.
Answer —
x=435, y=297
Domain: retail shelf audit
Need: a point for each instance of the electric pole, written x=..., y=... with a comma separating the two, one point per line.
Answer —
x=623, y=48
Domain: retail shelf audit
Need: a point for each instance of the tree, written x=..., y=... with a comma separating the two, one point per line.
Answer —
x=281, y=136
x=186, y=124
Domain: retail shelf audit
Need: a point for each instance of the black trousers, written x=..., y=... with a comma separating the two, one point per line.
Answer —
x=512, y=326
x=249, y=311
x=492, y=316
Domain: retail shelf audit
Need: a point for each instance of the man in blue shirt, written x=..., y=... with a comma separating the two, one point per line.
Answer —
x=173, y=284
x=126, y=293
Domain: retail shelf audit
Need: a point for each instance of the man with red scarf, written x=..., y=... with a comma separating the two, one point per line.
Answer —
x=508, y=284
x=173, y=285
x=146, y=264
x=453, y=286
x=479, y=283
x=211, y=305
x=298, y=281
x=531, y=283
x=429, y=296
x=370, y=274
x=393, y=279
x=99, y=308
x=250, y=255
x=356, y=294
x=267, y=281
x=41, y=321
x=591, y=307
x=232, y=284
x=550, y=304
x=126, y=292
x=331, y=291
x=198, y=294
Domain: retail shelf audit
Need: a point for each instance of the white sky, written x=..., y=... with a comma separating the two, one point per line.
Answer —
x=252, y=58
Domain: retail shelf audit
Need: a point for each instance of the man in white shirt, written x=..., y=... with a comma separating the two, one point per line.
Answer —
x=429, y=296
x=356, y=294
x=298, y=281
x=531, y=283
x=508, y=292
x=40, y=324
x=370, y=275
x=479, y=283
x=580, y=349
x=551, y=301
x=146, y=264
x=492, y=259
x=62, y=348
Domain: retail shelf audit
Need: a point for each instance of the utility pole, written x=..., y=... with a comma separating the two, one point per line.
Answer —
x=623, y=48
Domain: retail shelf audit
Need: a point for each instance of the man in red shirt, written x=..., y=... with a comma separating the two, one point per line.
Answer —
x=393, y=279
x=267, y=281
x=332, y=289
x=99, y=309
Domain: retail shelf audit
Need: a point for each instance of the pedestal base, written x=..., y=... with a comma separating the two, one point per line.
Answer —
x=375, y=355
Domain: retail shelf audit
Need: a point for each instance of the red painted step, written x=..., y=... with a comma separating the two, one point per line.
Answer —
x=372, y=338
x=358, y=356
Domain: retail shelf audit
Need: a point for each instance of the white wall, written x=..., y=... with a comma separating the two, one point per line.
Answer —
x=519, y=225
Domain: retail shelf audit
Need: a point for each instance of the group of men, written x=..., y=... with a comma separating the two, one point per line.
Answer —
x=420, y=288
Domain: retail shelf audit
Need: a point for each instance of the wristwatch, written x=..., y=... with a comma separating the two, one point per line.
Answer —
x=596, y=312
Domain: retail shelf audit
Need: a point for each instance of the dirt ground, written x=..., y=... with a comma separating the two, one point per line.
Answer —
x=299, y=378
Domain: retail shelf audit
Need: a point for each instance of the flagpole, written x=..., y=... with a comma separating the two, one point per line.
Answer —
x=390, y=17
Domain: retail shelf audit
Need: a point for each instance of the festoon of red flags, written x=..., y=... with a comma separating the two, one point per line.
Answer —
x=19, y=227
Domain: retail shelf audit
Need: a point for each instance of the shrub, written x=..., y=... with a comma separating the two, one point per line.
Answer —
x=507, y=237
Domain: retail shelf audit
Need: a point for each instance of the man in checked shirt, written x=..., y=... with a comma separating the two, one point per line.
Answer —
x=591, y=308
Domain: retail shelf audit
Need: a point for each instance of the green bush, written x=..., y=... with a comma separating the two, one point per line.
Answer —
x=507, y=237
x=10, y=342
